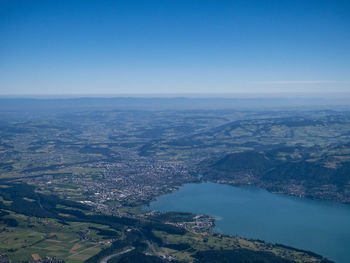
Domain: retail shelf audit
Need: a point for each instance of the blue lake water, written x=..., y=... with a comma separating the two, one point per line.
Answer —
x=319, y=226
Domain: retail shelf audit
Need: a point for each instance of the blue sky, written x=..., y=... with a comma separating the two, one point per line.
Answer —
x=174, y=46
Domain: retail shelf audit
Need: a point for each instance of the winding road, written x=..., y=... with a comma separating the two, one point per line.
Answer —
x=105, y=259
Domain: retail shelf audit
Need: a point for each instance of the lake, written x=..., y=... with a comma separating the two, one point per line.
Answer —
x=320, y=226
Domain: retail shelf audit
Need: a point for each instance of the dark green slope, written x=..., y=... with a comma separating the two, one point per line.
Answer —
x=268, y=167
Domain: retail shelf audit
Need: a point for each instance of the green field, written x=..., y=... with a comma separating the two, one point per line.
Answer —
x=48, y=237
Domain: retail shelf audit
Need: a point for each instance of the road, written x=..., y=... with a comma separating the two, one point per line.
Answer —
x=105, y=259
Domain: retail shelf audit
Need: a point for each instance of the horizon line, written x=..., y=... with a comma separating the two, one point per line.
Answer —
x=220, y=95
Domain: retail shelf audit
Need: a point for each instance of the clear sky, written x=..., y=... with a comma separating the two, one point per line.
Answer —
x=174, y=46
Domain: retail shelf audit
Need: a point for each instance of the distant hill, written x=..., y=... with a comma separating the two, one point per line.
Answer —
x=278, y=171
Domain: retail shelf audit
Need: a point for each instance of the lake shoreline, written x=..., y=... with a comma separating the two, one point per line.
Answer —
x=189, y=200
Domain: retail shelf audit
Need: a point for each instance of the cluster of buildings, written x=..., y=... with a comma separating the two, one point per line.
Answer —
x=132, y=182
x=200, y=223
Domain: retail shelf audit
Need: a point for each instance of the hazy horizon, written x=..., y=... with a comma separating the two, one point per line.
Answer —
x=266, y=95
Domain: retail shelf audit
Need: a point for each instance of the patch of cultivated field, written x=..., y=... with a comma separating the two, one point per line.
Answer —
x=37, y=238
